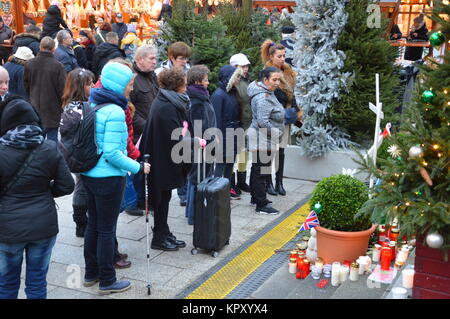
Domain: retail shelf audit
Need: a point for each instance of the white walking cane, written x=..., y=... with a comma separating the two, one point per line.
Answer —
x=146, y=159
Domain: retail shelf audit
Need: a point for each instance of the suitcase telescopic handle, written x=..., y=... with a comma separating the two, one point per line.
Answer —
x=201, y=158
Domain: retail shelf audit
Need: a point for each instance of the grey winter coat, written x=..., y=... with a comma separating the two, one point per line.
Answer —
x=267, y=126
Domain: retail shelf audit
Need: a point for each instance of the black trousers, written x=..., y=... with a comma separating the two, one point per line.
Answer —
x=161, y=212
x=261, y=166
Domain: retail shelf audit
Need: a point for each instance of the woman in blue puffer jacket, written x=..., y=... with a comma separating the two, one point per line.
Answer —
x=105, y=182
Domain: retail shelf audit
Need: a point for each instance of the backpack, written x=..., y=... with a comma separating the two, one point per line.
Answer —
x=78, y=143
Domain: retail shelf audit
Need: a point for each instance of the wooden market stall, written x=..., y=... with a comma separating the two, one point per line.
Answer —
x=82, y=13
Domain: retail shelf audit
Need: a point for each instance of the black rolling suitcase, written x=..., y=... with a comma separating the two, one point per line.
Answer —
x=212, y=216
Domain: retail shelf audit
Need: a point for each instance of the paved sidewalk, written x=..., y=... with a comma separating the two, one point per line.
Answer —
x=170, y=272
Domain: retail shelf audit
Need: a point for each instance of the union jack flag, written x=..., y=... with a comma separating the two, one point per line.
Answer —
x=311, y=221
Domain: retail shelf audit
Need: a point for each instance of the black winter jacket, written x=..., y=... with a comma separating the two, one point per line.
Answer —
x=201, y=110
x=52, y=22
x=145, y=89
x=27, y=210
x=103, y=53
x=28, y=40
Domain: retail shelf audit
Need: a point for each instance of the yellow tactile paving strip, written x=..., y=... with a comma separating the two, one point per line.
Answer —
x=233, y=273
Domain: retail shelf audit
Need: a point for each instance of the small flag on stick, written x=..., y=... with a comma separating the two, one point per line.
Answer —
x=311, y=221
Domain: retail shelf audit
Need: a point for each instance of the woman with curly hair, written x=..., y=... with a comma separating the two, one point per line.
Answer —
x=274, y=55
x=167, y=114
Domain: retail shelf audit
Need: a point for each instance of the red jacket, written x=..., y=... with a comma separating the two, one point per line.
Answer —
x=132, y=151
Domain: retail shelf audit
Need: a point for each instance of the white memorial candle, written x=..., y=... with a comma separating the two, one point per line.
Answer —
x=335, y=274
x=408, y=278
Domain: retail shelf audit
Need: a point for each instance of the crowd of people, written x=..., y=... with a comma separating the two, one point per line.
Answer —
x=139, y=105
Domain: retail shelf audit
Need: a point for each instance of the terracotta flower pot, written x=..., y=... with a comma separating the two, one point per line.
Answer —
x=335, y=245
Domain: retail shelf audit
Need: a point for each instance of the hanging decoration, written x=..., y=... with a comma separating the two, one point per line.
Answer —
x=435, y=240
x=428, y=96
x=31, y=10
x=5, y=7
x=426, y=177
x=89, y=9
x=41, y=8
x=437, y=39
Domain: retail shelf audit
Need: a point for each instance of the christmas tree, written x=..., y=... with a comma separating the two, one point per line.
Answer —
x=206, y=37
x=415, y=181
x=248, y=30
x=319, y=80
x=367, y=52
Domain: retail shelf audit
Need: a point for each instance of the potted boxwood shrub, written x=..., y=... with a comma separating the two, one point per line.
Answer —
x=340, y=235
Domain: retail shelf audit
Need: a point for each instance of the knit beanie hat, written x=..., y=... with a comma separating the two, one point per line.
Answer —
x=116, y=76
x=15, y=111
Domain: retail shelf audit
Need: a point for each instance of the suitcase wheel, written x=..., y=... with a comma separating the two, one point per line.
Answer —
x=194, y=251
x=215, y=254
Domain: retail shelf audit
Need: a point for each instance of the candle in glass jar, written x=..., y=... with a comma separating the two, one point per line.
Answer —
x=335, y=273
x=376, y=253
x=319, y=264
x=306, y=269
x=292, y=265
x=362, y=265
x=392, y=245
x=293, y=254
x=381, y=234
x=393, y=236
x=354, y=272
x=386, y=257
x=402, y=255
x=345, y=270
x=408, y=278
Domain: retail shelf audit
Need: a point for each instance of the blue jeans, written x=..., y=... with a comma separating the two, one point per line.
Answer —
x=104, y=199
x=38, y=255
x=190, y=202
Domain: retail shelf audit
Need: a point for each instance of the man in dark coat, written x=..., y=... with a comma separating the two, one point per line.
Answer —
x=30, y=38
x=53, y=22
x=44, y=79
x=105, y=52
x=64, y=53
x=145, y=87
x=6, y=36
x=28, y=216
x=418, y=33
x=120, y=27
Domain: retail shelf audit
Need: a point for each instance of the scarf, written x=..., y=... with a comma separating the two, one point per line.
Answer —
x=85, y=44
x=180, y=101
x=287, y=83
x=198, y=88
x=23, y=136
x=102, y=96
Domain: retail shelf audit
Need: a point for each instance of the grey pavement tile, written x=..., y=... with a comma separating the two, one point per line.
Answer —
x=136, y=250
x=67, y=236
x=185, y=260
x=184, y=278
x=159, y=274
x=134, y=230
x=65, y=293
x=126, y=218
x=179, y=225
x=138, y=290
x=67, y=254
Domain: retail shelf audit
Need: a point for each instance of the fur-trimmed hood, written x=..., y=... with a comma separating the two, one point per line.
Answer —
x=27, y=35
x=227, y=77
